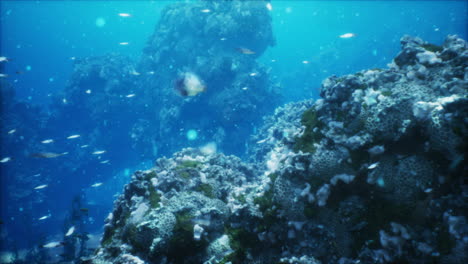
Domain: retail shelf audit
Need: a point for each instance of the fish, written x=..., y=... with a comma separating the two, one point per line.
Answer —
x=2, y=75
x=205, y=10
x=99, y=152
x=73, y=136
x=43, y=217
x=5, y=160
x=262, y=141
x=84, y=146
x=105, y=161
x=53, y=244
x=3, y=59
x=130, y=95
x=47, y=141
x=373, y=166
x=70, y=231
x=97, y=184
x=189, y=84
x=347, y=35
x=123, y=43
x=125, y=15
x=133, y=72
x=253, y=74
x=88, y=91
x=47, y=155
x=41, y=187
x=11, y=131
x=305, y=62
x=269, y=7
x=245, y=51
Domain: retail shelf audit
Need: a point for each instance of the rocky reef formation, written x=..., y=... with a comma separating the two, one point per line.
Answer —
x=114, y=98
x=218, y=41
x=371, y=173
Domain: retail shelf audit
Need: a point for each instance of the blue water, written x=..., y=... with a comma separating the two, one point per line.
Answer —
x=42, y=39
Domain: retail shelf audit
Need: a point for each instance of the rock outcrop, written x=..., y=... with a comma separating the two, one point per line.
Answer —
x=371, y=173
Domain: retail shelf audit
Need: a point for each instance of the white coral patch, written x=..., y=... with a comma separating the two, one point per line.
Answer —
x=346, y=178
x=322, y=195
x=428, y=57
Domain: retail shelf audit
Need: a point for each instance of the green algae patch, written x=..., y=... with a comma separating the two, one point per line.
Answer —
x=206, y=189
x=154, y=198
x=432, y=47
x=305, y=143
x=182, y=245
x=185, y=168
x=268, y=207
x=189, y=164
x=240, y=241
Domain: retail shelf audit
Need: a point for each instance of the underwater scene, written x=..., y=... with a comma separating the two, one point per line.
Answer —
x=227, y=132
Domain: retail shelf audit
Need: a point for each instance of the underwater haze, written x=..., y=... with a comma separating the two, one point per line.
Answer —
x=96, y=94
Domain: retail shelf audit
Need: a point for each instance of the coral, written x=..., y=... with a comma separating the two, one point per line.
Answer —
x=371, y=173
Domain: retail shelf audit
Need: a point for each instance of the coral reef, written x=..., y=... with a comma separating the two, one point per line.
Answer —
x=113, y=98
x=371, y=173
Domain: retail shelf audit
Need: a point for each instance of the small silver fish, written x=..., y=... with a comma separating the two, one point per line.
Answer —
x=44, y=217
x=105, y=161
x=47, y=155
x=4, y=160
x=70, y=231
x=347, y=35
x=12, y=131
x=99, y=152
x=3, y=59
x=53, y=245
x=84, y=146
x=40, y=187
x=73, y=136
x=125, y=15
x=130, y=95
x=47, y=141
x=97, y=184
x=133, y=72
x=373, y=166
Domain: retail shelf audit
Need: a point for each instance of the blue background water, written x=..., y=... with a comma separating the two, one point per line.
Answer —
x=42, y=37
